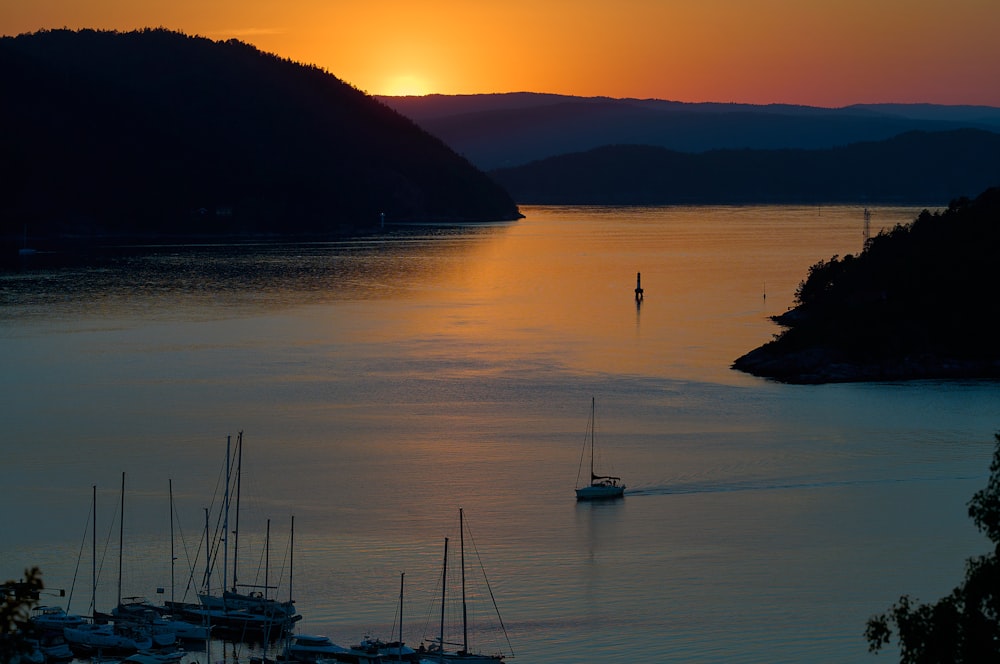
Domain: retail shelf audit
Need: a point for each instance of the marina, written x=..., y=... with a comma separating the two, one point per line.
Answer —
x=384, y=383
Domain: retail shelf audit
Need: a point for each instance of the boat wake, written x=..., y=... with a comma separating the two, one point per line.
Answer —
x=780, y=485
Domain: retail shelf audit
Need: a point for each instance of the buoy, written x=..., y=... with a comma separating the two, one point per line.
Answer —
x=638, y=286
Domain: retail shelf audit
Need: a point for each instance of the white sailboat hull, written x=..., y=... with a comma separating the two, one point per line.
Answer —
x=600, y=492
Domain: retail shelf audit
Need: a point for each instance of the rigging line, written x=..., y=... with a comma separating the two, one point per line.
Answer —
x=212, y=549
x=107, y=544
x=583, y=454
x=496, y=608
x=79, y=556
x=187, y=554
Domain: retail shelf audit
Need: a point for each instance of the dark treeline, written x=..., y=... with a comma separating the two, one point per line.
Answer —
x=154, y=131
x=919, y=302
x=915, y=166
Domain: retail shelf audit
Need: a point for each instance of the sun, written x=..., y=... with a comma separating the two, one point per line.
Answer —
x=406, y=85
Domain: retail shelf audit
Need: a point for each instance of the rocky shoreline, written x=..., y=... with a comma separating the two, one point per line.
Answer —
x=815, y=366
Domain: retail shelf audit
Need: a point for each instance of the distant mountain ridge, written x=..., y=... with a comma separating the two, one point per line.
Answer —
x=506, y=130
x=156, y=132
x=915, y=167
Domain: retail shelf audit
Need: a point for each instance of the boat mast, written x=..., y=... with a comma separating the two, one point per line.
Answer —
x=267, y=557
x=461, y=539
x=225, y=521
x=173, y=558
x=291, y=560
x=93, y=558
x=236, y=527
x=121, y=540
x=444, y=586
x=399, y=652
x=206, y=582
x=593, y=425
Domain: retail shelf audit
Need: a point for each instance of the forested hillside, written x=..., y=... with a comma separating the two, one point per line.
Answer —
x=916, y=166
x=156, y=132
x=919, y=302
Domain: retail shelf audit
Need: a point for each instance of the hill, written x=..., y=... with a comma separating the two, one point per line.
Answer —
x=916, y=166
x=918, y=302
x=156, y=132
x=508, y=130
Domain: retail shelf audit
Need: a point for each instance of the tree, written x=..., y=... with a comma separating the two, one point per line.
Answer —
x=963, y=627
x=16, y=602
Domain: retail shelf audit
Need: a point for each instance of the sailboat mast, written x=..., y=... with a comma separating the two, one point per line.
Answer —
x=206, y=582
x=236, y=527
x=399, y=652
x=465, y=622
x=121, y=540
x=267, y=556
x=444, y=587
x=225, y=520
x=593, y=426
x=93, y=558
x=173, y=558
x=291, y=560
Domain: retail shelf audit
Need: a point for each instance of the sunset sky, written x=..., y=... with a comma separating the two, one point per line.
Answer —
x=814, y=52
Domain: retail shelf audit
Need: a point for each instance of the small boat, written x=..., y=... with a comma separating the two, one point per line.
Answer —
x=390, y=651
x=54, y=619
x=310, y=647
x=143, y=616
x=108, y=638
x=156, y=657
x=54, y=647
x=601, y=487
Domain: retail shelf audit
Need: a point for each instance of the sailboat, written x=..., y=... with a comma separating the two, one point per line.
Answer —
x=390, y=651
x=601, y=487
x=98, y=637
x=240, y=615
x=436, y=652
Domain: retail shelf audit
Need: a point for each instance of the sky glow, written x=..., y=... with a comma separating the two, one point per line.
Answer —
x=819, y=53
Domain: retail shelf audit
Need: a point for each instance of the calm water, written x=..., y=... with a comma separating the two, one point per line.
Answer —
x=383, y=384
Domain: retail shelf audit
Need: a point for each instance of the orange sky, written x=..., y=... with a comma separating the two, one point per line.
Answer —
x=815, y=52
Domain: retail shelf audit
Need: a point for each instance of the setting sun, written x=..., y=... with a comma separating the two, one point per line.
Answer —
x=405, y=86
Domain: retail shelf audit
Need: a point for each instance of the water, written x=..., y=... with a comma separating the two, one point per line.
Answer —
x=383, y=384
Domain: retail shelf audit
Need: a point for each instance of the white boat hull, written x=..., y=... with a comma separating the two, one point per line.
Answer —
x=600, y=492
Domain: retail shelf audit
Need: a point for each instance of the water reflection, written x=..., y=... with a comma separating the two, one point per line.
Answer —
x=233, y=277
x=385, y=383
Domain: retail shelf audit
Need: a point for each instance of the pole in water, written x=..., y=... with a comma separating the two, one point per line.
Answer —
x=638, y=286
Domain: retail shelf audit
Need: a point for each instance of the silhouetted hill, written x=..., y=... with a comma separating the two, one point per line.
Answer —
x=507, y=130
x=916, y=166
x=919, y=302
x=157, y=132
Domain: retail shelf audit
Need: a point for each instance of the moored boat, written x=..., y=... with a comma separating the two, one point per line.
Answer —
x=54, y=619
x=435, y=650
x=92, y=637
x=310, y=647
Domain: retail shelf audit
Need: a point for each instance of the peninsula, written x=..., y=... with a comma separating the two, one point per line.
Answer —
x=919, y=302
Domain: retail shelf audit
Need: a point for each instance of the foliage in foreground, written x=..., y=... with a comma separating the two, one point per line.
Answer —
x=963, y=627
x=16, y=601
